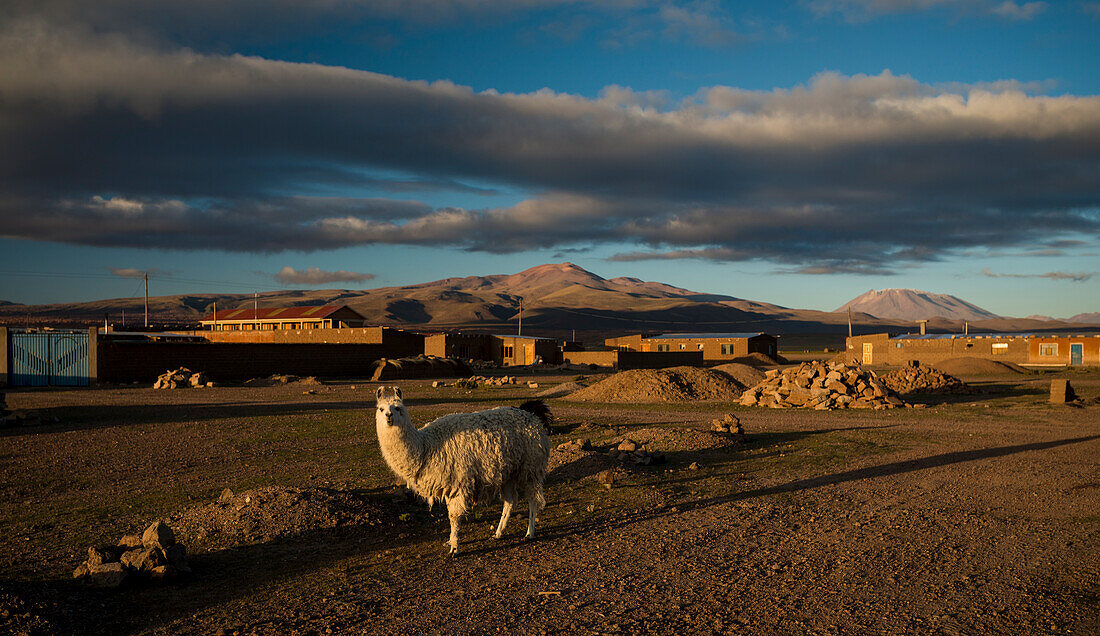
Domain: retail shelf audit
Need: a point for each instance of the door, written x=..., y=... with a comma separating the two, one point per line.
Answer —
x=1077, y=353
x=868, y=352
x=529, y=354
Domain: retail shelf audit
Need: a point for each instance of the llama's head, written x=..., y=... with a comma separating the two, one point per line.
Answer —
x=391, y=409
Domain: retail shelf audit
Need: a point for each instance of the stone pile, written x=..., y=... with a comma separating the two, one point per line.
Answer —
x=629, y=451
x=152, y=557
x=822, y=386
x=475, y=381
x=730, y=424
x=915, y=378
x=182, y=378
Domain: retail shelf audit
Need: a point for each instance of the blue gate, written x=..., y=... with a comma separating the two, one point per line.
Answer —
x=49, y=359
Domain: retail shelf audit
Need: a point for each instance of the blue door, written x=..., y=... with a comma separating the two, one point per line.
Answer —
x=49, y=359
x=1077, y=353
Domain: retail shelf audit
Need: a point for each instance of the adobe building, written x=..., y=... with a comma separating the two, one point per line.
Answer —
x=522, y=350
x=716, y=347
x=1019, y=348
x=504, y=350
x=465, y=346
x=281, y=318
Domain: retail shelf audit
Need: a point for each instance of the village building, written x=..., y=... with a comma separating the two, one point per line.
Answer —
x=1027, y=349
x=505, y=350
x=716, y=347
x=276, y=318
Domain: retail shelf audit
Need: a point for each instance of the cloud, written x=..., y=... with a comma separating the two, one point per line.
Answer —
x=860, y=10
x=1013, y=11
x=316, y=276
x=1076, y=277
x=130, y=272
x=183, y=150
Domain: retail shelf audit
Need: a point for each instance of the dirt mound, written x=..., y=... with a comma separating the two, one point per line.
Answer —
x=419, y=367
x=276, y=380
x=561, y=390
x=676, y=384
x=978, y=366
x=757, y=359
x=259, y=515
x=674, y=439
x=743, y=374
x=922, y=379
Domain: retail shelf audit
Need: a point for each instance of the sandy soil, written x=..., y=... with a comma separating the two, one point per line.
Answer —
x=975, y=515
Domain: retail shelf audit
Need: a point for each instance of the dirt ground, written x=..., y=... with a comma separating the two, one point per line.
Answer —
x=979, y=514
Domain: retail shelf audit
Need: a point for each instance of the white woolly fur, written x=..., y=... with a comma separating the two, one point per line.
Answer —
x=466, y=458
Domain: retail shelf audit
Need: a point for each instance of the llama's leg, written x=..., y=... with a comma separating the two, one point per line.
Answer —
x=455, y=509
x=535, y=502
x=509, y=497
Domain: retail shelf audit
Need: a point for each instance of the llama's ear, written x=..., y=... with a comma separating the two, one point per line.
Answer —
x=397, y=392
x=379, y=392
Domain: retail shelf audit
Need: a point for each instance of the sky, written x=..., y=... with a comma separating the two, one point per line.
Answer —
x=797, y=153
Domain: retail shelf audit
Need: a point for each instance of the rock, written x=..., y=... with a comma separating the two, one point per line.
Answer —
x=101, y=555
x=164, y=574
x=144, y=559
x=532, y=385
x=693, y=466
x=628, y=446
x=131, y=541
x=226, y=495
x=107, y=574
x=606, y=477
x=1061, y=391
x=158, y=534
x=81, y=571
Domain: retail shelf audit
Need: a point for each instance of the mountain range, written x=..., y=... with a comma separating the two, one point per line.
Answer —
x=555, y=300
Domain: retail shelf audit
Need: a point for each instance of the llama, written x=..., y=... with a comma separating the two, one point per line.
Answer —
x=467, y=458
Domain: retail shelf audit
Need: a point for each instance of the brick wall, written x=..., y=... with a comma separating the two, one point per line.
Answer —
x=598, y=358
x=143, y=362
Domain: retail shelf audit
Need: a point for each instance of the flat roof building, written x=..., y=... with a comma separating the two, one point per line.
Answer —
x=716, y=347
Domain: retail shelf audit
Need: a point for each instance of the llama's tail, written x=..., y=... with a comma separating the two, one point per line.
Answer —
x=539, y=409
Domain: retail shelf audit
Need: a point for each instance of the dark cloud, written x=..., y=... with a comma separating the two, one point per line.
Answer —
x=113, y=143
x=316, y=276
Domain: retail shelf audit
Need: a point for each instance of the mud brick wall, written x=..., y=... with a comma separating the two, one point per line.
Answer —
x=659, y=360
x=598, y=358
x=143, y=362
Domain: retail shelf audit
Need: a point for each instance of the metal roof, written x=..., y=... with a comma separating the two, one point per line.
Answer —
x=275, y=313
x=520, y=337
x=703, y=336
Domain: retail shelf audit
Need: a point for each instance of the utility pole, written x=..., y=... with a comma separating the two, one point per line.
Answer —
x=146, y=300
x=849, y=322
x=214, y=327
x=519, y=332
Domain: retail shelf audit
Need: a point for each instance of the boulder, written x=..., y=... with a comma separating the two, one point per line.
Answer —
x=107, y=574
x=158, y=534
x=1061, y=391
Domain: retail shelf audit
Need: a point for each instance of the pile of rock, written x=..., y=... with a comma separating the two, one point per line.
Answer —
x=823, y=386
x=182, y=378
x=916, y=378
x=730, y=425
x=475, y=381
x=151, y=557
x=629, y=451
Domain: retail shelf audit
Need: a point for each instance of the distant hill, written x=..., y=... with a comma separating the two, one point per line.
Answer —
x=914, y=304
x=1088, y=319
x=556, y=299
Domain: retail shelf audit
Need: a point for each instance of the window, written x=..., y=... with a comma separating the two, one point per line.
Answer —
x=662, y=347
x=1000, y=348
x=508, y=351
x=624, y=347
x=1050, y=349
x=683, y=346
x=727, y=349
x=900, y=345
x=700, y=346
